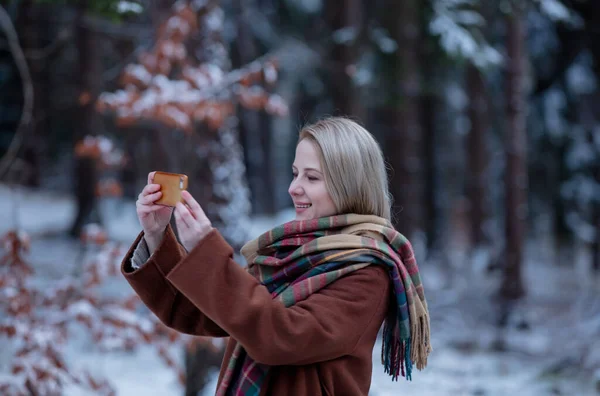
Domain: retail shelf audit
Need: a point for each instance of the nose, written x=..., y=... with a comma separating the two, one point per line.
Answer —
x=295, y=189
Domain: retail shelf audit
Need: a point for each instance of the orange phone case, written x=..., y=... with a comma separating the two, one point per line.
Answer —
x=171, y=185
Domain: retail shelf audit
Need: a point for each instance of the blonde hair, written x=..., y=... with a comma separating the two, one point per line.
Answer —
x=353, y=166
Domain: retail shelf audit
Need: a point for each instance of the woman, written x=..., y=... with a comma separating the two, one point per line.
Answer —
x=304, y=316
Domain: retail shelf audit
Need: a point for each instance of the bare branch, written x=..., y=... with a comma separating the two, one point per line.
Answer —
x=41, y=53
x=61, y=39
x=27, y=113
x=102, y=26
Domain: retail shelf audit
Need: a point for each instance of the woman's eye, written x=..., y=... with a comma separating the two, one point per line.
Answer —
x=312, y=178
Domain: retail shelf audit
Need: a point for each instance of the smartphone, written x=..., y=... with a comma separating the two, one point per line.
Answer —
x=171, y=186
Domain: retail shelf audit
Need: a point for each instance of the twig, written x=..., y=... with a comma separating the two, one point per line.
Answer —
x=116, y=70
x=42, y=53
x=101, y=26
x=26, y=115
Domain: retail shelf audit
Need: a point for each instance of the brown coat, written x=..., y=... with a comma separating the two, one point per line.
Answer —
x=320, y=346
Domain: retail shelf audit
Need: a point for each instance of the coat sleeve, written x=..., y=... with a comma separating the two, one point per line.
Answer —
x=160, y=296
x=326, y=325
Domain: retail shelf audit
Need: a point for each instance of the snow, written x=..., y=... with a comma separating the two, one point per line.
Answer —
x=345, y=35
x=179, y=116
x=554, y=104
x=139, y=72
x=176, y=22
x=557, y=11
x=215, y=19
x=580, y=76
x=456, y=27
x=129, y=6
x=214, y=72
x=270, y=73
x=276, y=105
x=463, y=361
x=81, y=308
x=385, y=43
x=306, y=6
x=116, y=99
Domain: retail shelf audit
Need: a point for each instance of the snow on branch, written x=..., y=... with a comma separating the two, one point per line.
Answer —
x=558, y=12
x=458, y=25
x=106, y=156
x=169, y=86
x=38, y=320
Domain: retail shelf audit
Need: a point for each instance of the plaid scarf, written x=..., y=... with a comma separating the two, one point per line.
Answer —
x=299, y=258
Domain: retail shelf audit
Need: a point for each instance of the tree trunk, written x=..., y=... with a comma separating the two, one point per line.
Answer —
x=218, y=181
x=596, y=224
x=430, y=106
x=33, y=30
x=404, y=145
x=85, y=174
x=563, y=235
x=269, y=170
x=347, y=15
x=516, y=179
x=200, y=359
x=477, y=176
x=254, y=127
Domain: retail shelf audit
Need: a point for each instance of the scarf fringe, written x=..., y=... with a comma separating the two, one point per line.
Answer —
x=399, y=355
x=420, y=346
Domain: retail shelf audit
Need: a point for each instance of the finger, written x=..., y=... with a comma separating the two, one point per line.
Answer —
x=184, y=214
x=194, y=206
x=149, y=189
x=150, y=198
x=151, y=177
x=181, y=223
x=149, y=208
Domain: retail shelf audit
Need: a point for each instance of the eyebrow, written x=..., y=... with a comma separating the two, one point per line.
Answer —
x=309, y=169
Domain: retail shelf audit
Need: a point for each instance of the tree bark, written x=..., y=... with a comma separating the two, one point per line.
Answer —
x=200, y=359
x=33, y=31
x=254, y=127
x=596, y=224
x=430, y=106
x=516, y=179
x=85, y=175
x=345, y=94
x=217, y=174
x=477, y=176
x=405, y=146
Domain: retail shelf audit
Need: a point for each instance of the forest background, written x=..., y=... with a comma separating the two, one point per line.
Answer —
x=487, y=113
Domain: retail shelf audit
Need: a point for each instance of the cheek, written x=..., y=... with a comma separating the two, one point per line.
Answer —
x=325, y=203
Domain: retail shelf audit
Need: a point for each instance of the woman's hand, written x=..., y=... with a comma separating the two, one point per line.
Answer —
x=192, y=223
x=153, y=218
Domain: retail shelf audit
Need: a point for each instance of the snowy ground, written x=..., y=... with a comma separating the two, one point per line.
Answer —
x=557, y=355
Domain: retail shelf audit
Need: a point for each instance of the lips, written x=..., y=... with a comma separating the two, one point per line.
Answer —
x=302, y=206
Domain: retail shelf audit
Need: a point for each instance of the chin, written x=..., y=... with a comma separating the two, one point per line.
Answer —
x=303, y=216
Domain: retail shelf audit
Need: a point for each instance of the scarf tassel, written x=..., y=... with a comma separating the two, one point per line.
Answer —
x=398, y=355
x=395, y=354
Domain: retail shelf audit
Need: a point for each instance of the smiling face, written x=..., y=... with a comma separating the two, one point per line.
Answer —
x=307, y=189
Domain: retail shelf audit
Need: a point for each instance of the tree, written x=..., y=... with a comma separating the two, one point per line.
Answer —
x=477, y=175
x=85, y=175
x=39, y=318
x=184, y=84
x=515, y=146
x=403, y=143
x=184, y=88
x=345, y=19
x=32, y=30
x=255, y=129
x=23, y=128
x=460, y=26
